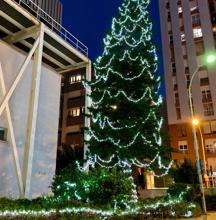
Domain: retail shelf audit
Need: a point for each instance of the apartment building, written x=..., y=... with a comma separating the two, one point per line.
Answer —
x=72, y=109
x=188, y=29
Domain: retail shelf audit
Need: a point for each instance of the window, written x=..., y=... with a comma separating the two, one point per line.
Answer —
x=196, y=20
x=183, y=146
x=208, y=109
x=76, y=78
x=167, y=5
x=177, y=99
x=3, y=134
x=206, y=95
x=213, y=126
x=209, y=127
x=181, y=131
x=187, y=75
x=171, y=39
x=197, y=32
x=210, y=145
x=179, y=9
x=74, y=112
x=206, y=128
x=200, y=49
x=178, y=113
x=173, y=67
x=168, y=15
x=183, y=37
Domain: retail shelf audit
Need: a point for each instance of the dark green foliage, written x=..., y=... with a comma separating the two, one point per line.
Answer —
x=126, y=77
x=98, y=186
x=176, y=189
x=185, y=173
x=64, y=157
x=145, y=209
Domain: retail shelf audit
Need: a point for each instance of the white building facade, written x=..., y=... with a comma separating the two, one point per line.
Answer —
x=33, y=58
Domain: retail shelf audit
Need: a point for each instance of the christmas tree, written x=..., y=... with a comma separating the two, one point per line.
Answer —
x=126, y=128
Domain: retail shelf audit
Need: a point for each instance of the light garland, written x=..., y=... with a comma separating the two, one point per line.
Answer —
x=104, y=213
x=127, y=52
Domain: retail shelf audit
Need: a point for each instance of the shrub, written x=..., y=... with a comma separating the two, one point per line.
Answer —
x=99, y=186
x=188, y=192
x=185, y=173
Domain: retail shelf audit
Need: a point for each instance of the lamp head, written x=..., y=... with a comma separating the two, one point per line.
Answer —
x=211, y=58
x=195, y=121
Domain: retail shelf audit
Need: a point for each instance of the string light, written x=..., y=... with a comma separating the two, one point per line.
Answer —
x=138, y=209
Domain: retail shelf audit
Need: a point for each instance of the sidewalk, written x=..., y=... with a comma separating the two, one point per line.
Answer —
x=209, y=216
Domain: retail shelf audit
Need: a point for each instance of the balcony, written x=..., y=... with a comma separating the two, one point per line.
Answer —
x=206, y=99
x=77, y=101
x=79, y=120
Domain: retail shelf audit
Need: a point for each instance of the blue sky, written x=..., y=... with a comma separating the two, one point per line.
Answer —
x=89, y=20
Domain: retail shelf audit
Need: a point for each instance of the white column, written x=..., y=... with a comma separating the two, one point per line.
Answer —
x=12, y=139
x=32, y=115
x=87, y=104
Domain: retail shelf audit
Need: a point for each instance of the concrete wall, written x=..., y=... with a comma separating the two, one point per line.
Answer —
x=44, y=159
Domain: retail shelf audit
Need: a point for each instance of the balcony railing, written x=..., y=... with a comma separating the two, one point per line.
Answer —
x=41, y=15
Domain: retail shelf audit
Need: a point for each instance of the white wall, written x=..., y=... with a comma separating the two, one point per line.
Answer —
x=44, y=159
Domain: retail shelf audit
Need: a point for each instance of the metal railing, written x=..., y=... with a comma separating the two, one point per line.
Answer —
x=41, y=15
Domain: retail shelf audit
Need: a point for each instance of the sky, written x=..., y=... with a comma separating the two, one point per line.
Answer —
x=89, y=20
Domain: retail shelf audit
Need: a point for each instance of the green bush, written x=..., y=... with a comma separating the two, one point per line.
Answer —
x=188, y=192
x=99, y=186
x=185, y=173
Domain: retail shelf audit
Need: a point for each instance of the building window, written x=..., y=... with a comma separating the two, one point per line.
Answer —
x=178, y=113
x=168, y=15
x=3, y=134
x=209, y=127
x=76, y=78
x=173, y=67
x=167, y=5
x=196, y=20
x=213, y=126
x=197, y=32
x=208, y=109
x=183, y=38
x=206, y=95
x=183, y=147
x=210, y=145
x=206, y=128
x=171, y=39
x=177, y=103
x=74, y=112
x=181, y=131
x=179, y=9
x=187, y=75
x=200, y=49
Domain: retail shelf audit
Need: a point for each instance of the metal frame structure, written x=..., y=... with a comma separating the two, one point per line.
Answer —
x=22, y=30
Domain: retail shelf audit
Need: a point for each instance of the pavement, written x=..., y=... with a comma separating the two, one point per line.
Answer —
x=209, y=216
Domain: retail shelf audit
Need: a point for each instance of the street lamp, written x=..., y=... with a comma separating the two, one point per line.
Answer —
x=210, y=59
x=196, y=123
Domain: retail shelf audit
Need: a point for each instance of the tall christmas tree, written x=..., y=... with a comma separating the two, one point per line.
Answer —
x=126, y=128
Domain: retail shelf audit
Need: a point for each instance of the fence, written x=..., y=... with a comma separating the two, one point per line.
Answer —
x=43, y=16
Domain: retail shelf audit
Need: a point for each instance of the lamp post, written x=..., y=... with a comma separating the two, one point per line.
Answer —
x=210, y=59
x=196, y=122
